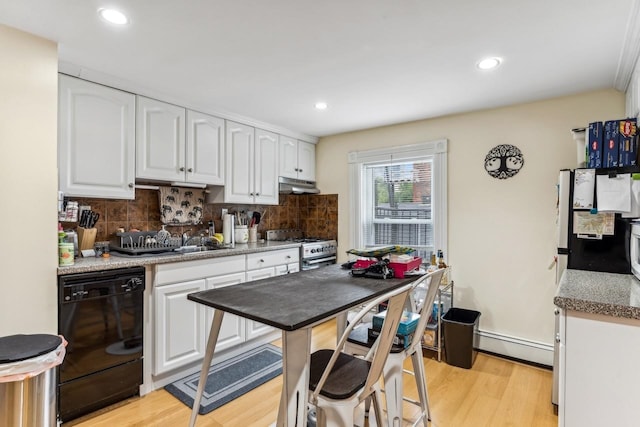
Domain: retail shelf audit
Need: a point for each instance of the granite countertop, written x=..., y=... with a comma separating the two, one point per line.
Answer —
x=84, y=265
x=608, y=294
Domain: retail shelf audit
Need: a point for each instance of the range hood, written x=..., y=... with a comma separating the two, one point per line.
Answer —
x=297, y=186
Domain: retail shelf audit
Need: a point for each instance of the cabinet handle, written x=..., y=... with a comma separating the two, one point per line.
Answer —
x=190, y=170
x=261, y=260
x=299, y=170
x=557, y=337
x=131, y=185
x=288, y=256
x=251, y=194
x=296, y=169
x=257, y=194
x=182, y=169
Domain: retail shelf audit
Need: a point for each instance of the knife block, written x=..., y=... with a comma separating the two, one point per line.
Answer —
x=86, y=237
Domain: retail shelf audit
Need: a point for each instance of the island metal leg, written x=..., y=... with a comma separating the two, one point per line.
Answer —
x=206, y=363
x=296, y=356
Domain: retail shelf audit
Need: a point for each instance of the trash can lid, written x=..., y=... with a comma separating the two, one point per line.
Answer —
x=15, y=348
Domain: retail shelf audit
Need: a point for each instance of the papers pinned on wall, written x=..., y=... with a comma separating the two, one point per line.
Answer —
x=614, y=193
x=583, y=185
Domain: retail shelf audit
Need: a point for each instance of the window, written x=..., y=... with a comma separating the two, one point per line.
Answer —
x=400, y=197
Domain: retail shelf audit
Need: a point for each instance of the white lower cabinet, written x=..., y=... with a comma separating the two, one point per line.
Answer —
x=232, y=331
x=182, y=326
x=179, y=325
x=598, y=370
x=268, y=264
x=256, y=329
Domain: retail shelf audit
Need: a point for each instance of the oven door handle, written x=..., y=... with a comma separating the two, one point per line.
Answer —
x=318, y=261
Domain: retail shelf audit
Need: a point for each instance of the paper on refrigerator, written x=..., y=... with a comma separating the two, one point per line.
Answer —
x=587, y=223
x=614, y=193
x=583, y=185
x=634, y=212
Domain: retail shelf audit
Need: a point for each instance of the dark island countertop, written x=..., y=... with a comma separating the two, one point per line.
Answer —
x=608, y=294
x=296, y=300
x=85, y=265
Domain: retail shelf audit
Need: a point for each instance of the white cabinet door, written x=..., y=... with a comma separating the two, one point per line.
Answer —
x=179, y=326
x=239, y=154
x=600, y=384
x=160, y=140
x=266, y=168
x=306, y=161
x=287, y=269
x=288, y=155
x=232, y=331
x=205, y=149
x=297, y=159
x=96, y=140
x=257, y=329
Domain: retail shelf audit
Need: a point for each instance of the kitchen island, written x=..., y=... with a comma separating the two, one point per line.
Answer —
x=293, y=304
x=599, y=336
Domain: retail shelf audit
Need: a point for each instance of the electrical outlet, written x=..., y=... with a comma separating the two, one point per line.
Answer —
x=224, y=212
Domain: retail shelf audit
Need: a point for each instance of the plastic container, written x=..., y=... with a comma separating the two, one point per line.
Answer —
x=28, y=379
x=241, y=234
x=65, y=254
x=399, y=268
x=460, y=336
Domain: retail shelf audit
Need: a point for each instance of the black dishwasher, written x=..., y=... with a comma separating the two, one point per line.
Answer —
x=100, y=314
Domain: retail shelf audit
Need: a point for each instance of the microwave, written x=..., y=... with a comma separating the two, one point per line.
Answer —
x=634, y=249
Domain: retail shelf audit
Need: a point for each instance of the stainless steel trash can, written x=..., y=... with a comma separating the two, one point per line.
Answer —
x=28, y=379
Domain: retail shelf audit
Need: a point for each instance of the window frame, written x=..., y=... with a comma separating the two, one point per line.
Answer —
x=437, y=150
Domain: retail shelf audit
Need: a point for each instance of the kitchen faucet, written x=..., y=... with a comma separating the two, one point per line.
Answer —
x=185, y=237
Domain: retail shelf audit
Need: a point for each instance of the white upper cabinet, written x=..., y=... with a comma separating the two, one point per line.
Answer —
x=205, y=148
x=239, y=153
x=306, y=161
x=179, y=145
x=252, y=166
x=160, y=145
x=297, y=159
x=266, y=168
x=96, y=140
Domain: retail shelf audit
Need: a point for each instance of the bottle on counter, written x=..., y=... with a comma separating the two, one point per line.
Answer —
x=441, y=263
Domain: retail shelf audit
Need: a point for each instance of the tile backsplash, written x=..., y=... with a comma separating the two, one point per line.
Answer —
x=315, y=214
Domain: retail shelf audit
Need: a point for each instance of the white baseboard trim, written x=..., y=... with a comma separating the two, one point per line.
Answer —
x=519, y=348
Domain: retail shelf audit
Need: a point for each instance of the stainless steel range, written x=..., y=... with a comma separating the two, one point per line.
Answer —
x=314, y=252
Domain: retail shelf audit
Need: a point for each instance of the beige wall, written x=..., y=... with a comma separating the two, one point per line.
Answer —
x=501, y=233
x=28, y=127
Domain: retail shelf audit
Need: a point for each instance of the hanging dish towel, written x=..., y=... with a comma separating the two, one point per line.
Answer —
x=181, y=206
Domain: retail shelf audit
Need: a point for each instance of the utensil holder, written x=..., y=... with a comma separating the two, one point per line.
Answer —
x=86, y=238
x=253, y=234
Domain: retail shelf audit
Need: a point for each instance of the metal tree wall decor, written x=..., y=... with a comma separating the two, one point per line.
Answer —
x=503, y=161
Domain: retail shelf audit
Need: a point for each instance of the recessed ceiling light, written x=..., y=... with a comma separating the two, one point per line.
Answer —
x=113, y=16
x=321, y=105
x=489, y=63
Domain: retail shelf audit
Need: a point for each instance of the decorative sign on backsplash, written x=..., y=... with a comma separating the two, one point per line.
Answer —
x=181, y=206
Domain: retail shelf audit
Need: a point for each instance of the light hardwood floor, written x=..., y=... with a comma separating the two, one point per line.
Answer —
x=494, y=392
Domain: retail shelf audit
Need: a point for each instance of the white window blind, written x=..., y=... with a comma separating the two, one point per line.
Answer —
x=401, y=197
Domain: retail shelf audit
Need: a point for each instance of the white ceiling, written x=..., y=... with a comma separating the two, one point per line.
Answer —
x=375, y=62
